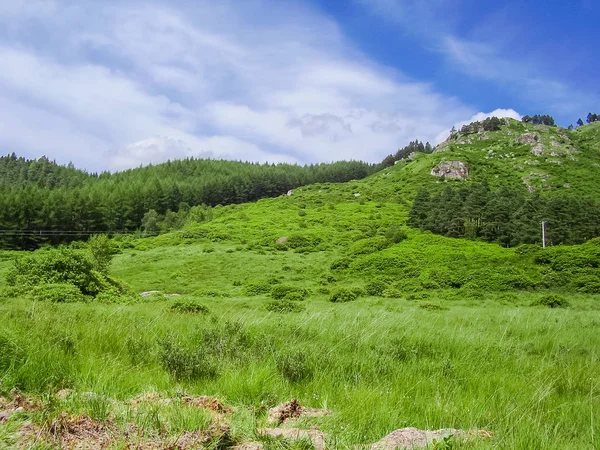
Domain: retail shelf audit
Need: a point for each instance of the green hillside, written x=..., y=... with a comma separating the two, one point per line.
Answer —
x=552, y=160
x=326, y=296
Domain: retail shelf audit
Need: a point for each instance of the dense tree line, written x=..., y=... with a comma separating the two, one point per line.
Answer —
x=506, y=217
x=489, y=124
x=405, y=152
x=544, y=119
x=42, y=202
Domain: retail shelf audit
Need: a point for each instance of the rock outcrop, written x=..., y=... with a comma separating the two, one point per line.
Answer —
x=451, y=169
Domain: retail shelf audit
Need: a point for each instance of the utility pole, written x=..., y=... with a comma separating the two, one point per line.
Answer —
x=544, y=234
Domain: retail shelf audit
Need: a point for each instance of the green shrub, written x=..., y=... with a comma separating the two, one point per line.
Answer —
x=57, y=293
x=189, y=307
x=358, y=291
x=259, y=288
x=375, y=288
x=553, y=301
x=323, y=291
x=186, y=364
x=587, y=284
x=392, y=293
x=341, y=264
x=102, y=251
x=395, y=234
x=285, y=306
x=281, y=291
x=327, y=278
x=527, y=249
x=342, y=296
x=294, y=366
x=368, y=246
x=294, y=297
x=61, y=266
x=431, y=307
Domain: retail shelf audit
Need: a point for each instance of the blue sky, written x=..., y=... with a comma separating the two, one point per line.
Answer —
x=114, y=84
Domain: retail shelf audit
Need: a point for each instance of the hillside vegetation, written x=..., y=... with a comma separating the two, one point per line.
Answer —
x=326, y=296
x=42, y=202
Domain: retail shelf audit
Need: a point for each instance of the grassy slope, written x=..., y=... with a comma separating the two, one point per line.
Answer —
x=468, y=358
x=504, y=162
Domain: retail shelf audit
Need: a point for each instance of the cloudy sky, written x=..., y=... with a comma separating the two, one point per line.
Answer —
x=112, y=84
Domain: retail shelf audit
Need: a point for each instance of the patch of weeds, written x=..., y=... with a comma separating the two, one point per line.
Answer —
x=323, y=291
x=294, y=366
x=210, y=293
x=139, y=350
x=258, y=288
x=445, y=443
x=183, y=363
x=189, y=307
x=432, y=307
x=285, y=306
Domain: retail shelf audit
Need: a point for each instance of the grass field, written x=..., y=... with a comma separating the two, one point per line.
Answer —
x=424, y=331
x=528, y=374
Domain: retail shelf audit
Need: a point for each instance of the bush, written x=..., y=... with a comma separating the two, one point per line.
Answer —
x=395, y=234
x=189, y=307
x=281, y=291
x=294, y=297
x=342, y=296
x=392, y=293
x=358, y=291
x=327, y=278
x=57, y=293
x=285, y=306
x=553, y=301
x=259, y=288
x=587, y=284
x=294, y=366
x=186, y=364
x=375, y=288
x=341, y=264
x=61, y=266
x=368, y=246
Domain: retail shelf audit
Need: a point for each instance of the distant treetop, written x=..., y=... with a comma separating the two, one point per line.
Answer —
x=544, y=119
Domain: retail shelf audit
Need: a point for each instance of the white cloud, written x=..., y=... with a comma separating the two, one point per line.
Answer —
x=253, y=81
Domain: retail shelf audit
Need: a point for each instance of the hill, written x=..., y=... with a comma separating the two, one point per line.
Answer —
x=42, y=202
x=326, y=296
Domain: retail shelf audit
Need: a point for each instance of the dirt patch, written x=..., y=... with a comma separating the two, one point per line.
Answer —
x=83, y=433
x=293, y=410
x=315, y=436
x=413, y=438
x=207, y=402
x=18, y=403
x=79, y=432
